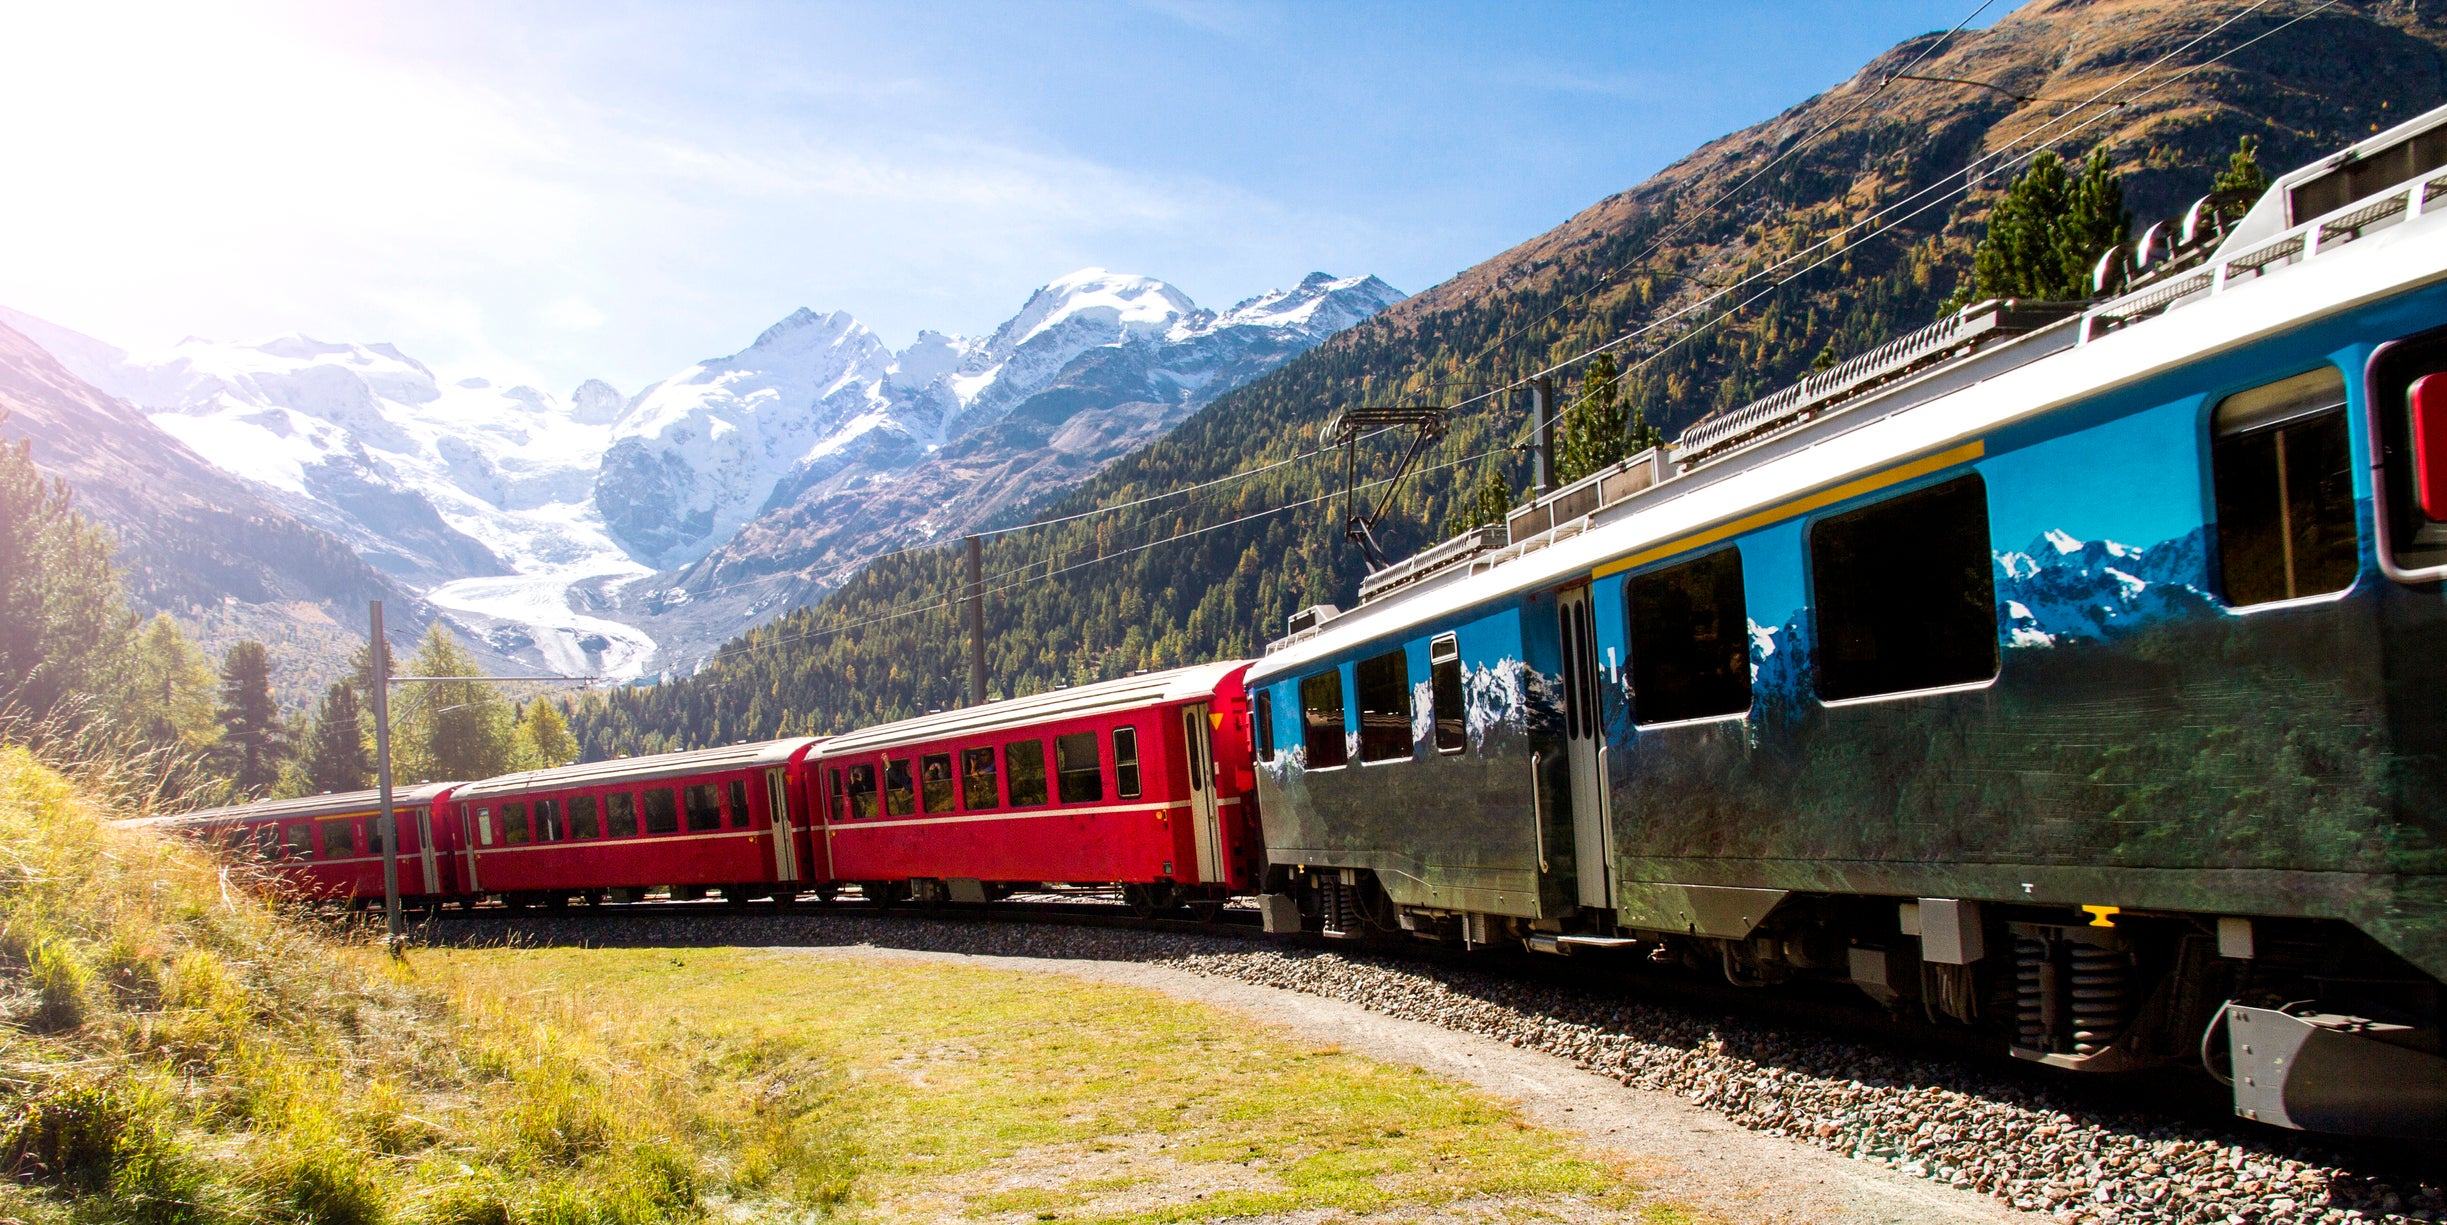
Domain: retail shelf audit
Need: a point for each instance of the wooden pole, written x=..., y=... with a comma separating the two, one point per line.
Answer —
x=388, y=822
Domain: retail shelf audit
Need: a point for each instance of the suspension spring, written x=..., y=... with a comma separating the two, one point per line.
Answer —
x=2034, y=995
x=1339, y=905
x=2102, y=997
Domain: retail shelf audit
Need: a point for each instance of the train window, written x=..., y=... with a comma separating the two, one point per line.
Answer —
x=1321, y=720
x=662, y=810
x=836, y=801
x=900, y=790
x=236, y=842
x=1025, y=759
x=1904, y=592
x=620, y=814
x=409, y=823
x=267, y=842
x=2284, y=474
x=339, y=839
x=703, y=803
x=1444, y=689
x=1384, y=707
x=1690, y=640
x=373, y=833
x=582, y=817
x=300, y=842
x=514, y=823
x=862, y=789
x=977, y=778
x=548, y=821
x=739, y=803
x=1261, y=725
x=1126, y=763
x=935, y=782
x=1081, y=773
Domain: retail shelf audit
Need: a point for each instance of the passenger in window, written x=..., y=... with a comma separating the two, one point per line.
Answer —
x=900, y=790
x=977, y=790
x=1025, y=759
x=1082, y=776
x=862, y=790
x=935, y=771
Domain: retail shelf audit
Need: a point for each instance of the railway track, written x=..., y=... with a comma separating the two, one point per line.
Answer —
x=2152, y=1148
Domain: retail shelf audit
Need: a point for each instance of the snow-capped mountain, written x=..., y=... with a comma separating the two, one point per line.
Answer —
x=2060, y=589
x=527, y=516
x=820, y=406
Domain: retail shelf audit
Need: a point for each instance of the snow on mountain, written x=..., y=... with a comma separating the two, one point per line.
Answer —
x=478, y=494
x=2061, y=589
x=526, y=516
x=819, y=407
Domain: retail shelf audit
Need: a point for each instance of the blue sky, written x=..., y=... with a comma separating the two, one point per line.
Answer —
x=561, y=191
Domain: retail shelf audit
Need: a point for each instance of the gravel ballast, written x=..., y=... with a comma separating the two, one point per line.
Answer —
x=1939, y=1118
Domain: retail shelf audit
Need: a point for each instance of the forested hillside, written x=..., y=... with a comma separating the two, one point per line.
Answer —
x=1213, y=572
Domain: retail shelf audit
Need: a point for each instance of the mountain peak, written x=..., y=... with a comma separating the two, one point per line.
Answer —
x=807, y=329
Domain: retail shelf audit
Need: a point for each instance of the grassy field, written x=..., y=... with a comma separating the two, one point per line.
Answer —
x=963, y=1093
x=174, y=1050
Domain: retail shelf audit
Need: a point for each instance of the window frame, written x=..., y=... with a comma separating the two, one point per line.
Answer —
x=866, y=781
x=1399, y=656
x=547, y=816
x=646, y=806
x=1014, y=776
x=620, y=809
x=993, y=775
x=1090, y=780
x=1311, y=724
x=1261, y=722
x=1811, y=574
x=1741, y=609
x=2215, y=442
x=2379, y=374
x=701, y=820
x=585, y=811
x=927, y=781
x=1443, y=661
x=1127, y=785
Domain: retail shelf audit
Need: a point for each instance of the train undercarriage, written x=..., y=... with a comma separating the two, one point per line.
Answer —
x=2311, y=1023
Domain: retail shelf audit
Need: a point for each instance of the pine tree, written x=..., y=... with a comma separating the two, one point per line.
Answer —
x=450, y=729
x=2048, y=231
x=2243, y=172
x=64, y=623
x=1486, y=506
x=337, y=758
x=1826, y=359
x=171, y=688
x=1592, y=436
x=254, y=738
x=543, y=737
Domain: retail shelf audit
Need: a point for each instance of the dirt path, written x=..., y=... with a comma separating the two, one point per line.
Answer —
x=1685, y=1154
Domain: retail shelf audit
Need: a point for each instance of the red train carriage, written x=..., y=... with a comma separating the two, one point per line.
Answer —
x=730, y=819
x=330, y=846
x=1143, y=781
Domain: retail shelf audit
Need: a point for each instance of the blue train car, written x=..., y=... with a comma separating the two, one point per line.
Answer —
x=2072, y=671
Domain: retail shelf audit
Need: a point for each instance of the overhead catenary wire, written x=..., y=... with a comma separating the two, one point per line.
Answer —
x=2001, y=161
x=1878, y=220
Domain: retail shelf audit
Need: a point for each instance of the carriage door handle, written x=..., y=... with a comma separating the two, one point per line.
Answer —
x=1537, y=809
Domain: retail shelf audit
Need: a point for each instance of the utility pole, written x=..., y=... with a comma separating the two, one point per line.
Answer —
x=1542, y=403
x=977, y=622
x=388, y=823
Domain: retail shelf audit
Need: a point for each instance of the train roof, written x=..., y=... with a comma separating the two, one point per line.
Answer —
x=1937, y=416
x=329, y=804
x=639, y=769
x=1173, y=685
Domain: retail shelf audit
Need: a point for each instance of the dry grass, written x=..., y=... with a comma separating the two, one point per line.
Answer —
x=178, y=1052
x=976, y=1094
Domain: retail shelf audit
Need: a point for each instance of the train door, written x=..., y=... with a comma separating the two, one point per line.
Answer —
x=1200, y=762
x=777, y=806
x=1584, y=731
x=424, y=851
